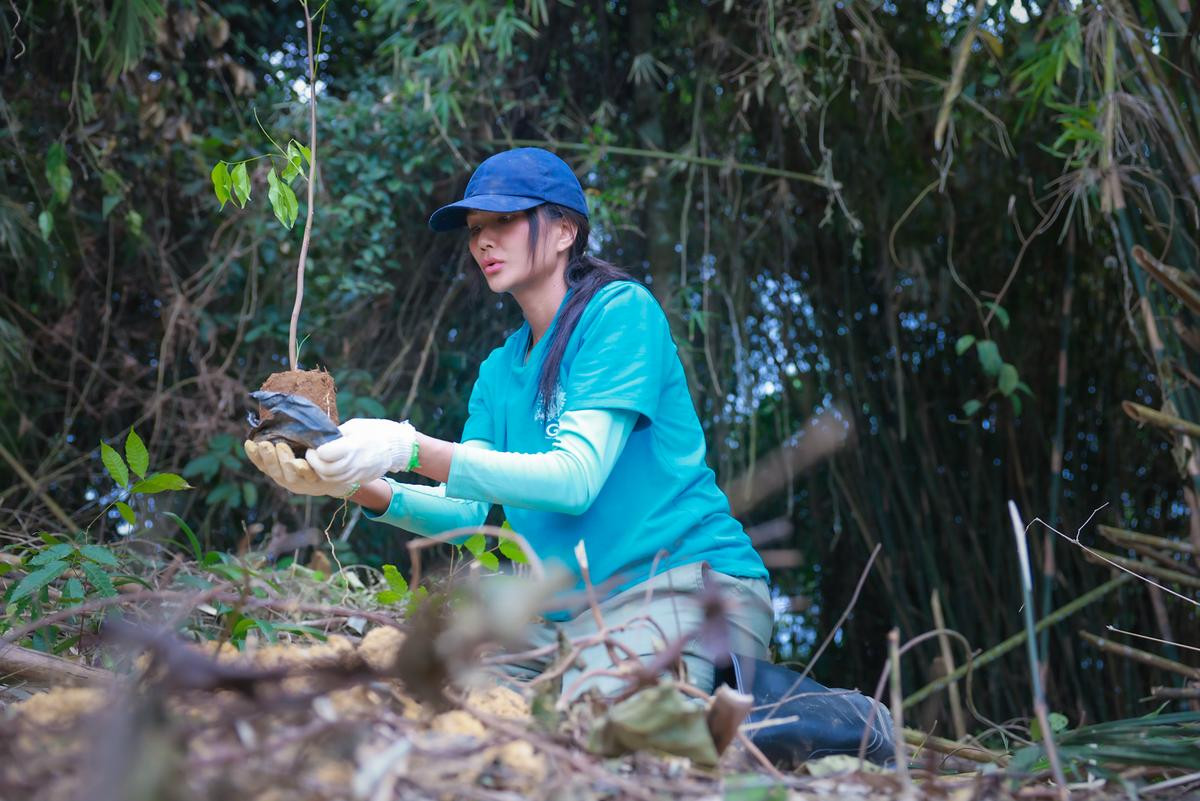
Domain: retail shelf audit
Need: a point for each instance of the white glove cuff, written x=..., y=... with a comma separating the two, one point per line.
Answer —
x=400, y=447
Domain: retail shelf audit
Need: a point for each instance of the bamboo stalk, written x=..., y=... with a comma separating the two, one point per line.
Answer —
x=943, y=745
x=994, y=653
x=897, y=705
x=1138, y=655
x=1177, y=134
x=954, y=88
x=1146, y=415
x=1121, y=536
x=1180, y=693
x=1172, y=279
x=668, y=155
x=1039, y=697
x=1136, y=565
x=1056, y=446
x=939, y=620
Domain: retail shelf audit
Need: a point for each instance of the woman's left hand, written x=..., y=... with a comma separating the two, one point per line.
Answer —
x=367, y=449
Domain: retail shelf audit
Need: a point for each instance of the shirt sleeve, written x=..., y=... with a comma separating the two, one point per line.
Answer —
x=620, y=360
x=426, y=510
x=480, y=423
x=565, y=479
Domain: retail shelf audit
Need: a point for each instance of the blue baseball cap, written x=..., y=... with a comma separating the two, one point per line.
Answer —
x=514, y=180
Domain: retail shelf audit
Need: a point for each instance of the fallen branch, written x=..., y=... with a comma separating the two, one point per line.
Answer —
x=1147, y=416
x=942, y=745
x=1135, y=565
x=1017, y=639
x=36, y=667
x=1122, y=536
x=1137, y=655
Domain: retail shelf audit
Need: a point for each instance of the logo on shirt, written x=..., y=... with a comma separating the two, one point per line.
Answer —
x=550, y=421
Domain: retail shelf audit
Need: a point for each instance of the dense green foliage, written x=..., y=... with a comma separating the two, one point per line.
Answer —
x=772, y=169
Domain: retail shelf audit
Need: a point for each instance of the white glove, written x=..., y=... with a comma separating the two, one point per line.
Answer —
x=367, y=449
x=294, y=475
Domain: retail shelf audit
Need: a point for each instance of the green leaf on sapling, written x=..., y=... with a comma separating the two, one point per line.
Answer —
x=488, y=560
x=283, y=200
x=1000, y=312
x=513, y=551
x=46, y=224
x=52, y=554
x=395, y=580
x=126, y=512
x=98, y=553
x=38, y=579
x=221, y=182
x=964, y=343
x=475, y=544
x=971, y=407
x=160, y=482
x=136, y=455
x=58, y=173
x=241, y=184
x=73, y=589
x=989, y=356
x=108, y=204
x=114, y=465
x=1008, y=379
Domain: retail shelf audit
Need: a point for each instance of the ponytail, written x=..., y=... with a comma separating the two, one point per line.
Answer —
x=585, y=276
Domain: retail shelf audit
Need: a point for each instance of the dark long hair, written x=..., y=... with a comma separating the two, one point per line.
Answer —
x=585, y=275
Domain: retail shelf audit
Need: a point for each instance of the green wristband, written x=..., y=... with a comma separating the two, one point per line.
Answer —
x=414, y=461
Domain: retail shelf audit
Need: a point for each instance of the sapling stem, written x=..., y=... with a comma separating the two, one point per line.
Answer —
x=312, y=180
x=1039, y=696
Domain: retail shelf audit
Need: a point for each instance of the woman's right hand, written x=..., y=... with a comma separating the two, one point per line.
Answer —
x=293, y=474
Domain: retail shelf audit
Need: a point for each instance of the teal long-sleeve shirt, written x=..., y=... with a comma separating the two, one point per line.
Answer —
x=565, y=479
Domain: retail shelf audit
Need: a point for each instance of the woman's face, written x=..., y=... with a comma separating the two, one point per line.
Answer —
x=500, y=245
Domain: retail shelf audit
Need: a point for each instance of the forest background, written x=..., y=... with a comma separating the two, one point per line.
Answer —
x=918, y=217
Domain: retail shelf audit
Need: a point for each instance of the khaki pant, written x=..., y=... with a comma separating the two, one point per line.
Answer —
x=675, y=606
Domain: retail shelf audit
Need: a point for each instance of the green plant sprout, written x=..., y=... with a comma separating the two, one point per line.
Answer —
x=231, y=181
x=1008, y=380
x=61, y=572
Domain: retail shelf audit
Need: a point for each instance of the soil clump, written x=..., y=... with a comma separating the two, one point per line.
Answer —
x=316, y=385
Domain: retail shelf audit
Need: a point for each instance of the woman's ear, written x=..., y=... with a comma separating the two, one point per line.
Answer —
x=567, y=231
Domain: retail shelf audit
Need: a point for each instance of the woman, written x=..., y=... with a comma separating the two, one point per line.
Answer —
x=580, y=425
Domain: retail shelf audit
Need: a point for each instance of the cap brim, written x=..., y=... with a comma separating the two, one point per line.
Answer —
x=453, y=216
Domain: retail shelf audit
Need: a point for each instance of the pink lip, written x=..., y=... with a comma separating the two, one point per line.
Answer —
x=492, y=267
